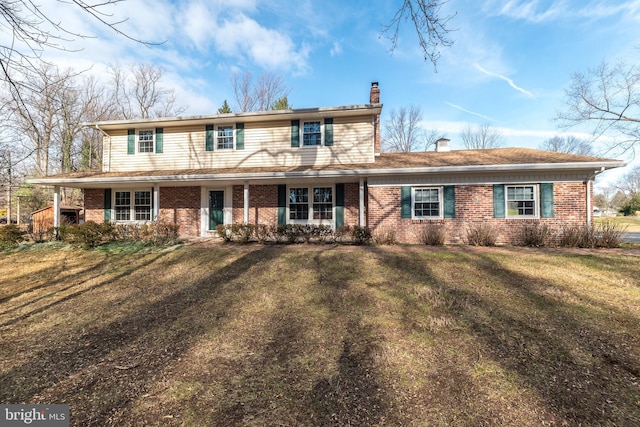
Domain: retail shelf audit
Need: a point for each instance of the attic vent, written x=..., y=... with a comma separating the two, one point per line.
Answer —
x=442, y=145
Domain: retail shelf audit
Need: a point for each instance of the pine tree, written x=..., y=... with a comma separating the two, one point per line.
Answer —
x=225, y=109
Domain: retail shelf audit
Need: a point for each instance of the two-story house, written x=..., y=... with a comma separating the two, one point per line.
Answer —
x=322, y=166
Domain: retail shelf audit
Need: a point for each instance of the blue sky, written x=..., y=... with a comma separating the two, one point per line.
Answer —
x=509, y=65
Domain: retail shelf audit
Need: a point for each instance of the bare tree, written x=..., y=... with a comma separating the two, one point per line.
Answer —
x=431, y=28
x=480, y=137
x=139, y=93
x=606, y=99
x=629, y=184
x=33, y=32
x=402, y=132
x=568, y=144
x=260, y=95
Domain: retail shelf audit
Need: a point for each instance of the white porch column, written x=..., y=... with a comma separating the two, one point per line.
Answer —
x=362, y=219
x=56, y=206
x=589, y=209
x=246, y=203
x=156, y=202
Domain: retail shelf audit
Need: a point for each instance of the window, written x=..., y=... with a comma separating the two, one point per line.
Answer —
x=311, y=134
x=142, y=205
x=140, y=210
x=145, y=141
x=317, y=208
x=427, y=202
x=522, y=201
x=322, y=203
x=123, y=206
x=225, y=138
x=299, y=203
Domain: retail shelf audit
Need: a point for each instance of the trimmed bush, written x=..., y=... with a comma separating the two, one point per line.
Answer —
x=361, y=235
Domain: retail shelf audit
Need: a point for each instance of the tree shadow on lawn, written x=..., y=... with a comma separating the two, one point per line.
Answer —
x=575, y=365
x=102, y=371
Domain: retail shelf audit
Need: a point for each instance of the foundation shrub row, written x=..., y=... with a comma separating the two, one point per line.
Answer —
x=294, y=233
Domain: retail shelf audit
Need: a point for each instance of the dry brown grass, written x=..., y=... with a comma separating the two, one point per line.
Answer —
x=324, y=335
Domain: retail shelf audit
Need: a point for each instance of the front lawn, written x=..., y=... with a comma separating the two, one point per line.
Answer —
x=226, y=335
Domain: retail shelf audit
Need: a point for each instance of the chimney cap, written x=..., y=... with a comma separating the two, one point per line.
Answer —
x=374, y=84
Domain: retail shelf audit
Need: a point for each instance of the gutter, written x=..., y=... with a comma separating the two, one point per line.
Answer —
x=589, y=184
x=338, y=173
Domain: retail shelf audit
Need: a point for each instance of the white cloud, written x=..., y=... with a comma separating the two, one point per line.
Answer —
x=336, y=49
x=509, y=81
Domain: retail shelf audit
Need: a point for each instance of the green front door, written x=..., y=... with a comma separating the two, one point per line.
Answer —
x=216, y=209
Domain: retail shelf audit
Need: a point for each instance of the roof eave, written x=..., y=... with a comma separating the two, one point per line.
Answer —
x=594, y=167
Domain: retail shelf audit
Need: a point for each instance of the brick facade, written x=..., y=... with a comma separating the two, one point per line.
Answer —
x=474, y=205
x=181, y=205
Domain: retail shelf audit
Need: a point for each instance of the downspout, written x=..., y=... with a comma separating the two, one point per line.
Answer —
x=589, y=182
x=109, y=138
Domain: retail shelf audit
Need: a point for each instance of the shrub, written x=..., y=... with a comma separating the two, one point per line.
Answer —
x=163, y=233
x=242, y=232
x=10, y=236
x=536, y=235
x=224, y=231
x=361, y=235
x=385, y=236
x=262, y=233
x=432, y=234
x=609, y=234
x=88, y=235
x=481, y=234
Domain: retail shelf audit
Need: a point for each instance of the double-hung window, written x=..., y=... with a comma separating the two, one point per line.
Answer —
x=224, y=136
x=426, y=202
x=522, y=201
x=145, y=141
x=313, y=204
x=134, y=205
x=311, y=134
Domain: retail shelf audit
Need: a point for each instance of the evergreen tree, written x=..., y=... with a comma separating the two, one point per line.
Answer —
x=225, y=109
x=282, y=104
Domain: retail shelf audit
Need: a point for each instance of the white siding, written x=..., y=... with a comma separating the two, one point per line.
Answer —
x=265, y=144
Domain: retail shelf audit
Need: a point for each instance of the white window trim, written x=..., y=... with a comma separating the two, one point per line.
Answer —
x=440, y=202
x=302, y=122
x=132, y=206
x=153, y=141
x=215, y=136
x=310, y=220
x=536, y=201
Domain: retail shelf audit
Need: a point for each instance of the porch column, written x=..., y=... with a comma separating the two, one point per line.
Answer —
x=246, y=203
x=156, y=202
x=56, y=206
x=362, y=218
x=589, y=208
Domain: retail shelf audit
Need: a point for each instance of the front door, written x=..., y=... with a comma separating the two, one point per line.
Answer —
x=216, y=209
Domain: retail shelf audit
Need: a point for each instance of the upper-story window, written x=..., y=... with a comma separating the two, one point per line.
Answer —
x=224, y=137
x=145, y=141
x=522, y=201
x=311, y=133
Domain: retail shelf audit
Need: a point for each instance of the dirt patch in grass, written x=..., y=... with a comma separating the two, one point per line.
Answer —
x=221, y=335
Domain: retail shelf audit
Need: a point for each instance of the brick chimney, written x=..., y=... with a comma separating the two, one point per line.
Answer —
x=374, y=98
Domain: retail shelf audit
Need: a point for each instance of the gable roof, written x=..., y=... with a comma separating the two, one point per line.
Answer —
x=455, y=161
